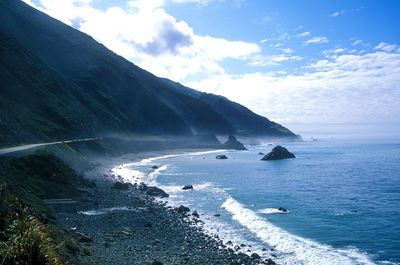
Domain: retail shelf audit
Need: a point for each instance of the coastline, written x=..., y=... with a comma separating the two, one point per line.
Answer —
x=131, y=227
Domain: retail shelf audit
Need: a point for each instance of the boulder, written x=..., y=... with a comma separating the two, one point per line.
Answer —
x=221, y=157
x=278, y=153
x=152, y=191
x=233, y=143
x=260, y=153
x=282, y=209
x=188, y=187
x=156, y=192
x=255, y=256
x=183, y=209
x=195, y=214
x=154, y=167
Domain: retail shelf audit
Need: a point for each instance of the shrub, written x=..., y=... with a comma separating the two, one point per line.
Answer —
x=29, y=242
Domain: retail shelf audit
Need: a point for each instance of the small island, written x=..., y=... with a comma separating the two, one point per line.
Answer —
x=278, y=153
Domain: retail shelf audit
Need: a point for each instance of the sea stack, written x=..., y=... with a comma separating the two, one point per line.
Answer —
x=233, y=143
x=278, y=153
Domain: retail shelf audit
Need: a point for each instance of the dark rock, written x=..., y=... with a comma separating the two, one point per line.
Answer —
x=221, y=157
x=270, y=262
x=183, y=209
x=255, y=256
x=121, y=186
x=148, y=225
x=236, y=248
x=195, y=214
x=156, y=262
x=282, y=209
x=152, y=191
x=188, y=187
x=233, y=143
x=156, y=192
x=154, y=167
x=260, y=153
x=278, y=153
x=217, y=215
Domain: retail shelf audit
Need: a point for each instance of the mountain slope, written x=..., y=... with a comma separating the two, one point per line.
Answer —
x=243, y=120
x=93, y=91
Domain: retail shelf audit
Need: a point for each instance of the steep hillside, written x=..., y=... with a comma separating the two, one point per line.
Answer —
x=58, y=83
x=243, y=120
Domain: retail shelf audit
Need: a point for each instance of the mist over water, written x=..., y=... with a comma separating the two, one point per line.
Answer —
x=377, y=132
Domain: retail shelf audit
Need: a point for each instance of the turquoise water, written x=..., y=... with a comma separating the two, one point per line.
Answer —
x=343, y=199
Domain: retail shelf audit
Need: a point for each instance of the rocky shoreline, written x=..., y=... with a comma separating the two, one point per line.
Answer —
x=127, y=226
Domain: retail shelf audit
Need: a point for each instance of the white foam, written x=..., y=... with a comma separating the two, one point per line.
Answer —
x=271, y=210
x=147, y=161
x=152, y=177
x=294, y=249
x=127, y=174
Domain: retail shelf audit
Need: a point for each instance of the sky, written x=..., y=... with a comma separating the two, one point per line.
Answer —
x=306, y=64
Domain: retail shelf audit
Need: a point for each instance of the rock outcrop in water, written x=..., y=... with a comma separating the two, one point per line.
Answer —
x=284, y=210
x=188, y=187
x=221, y=157
x=233, y=143
x=278, y=153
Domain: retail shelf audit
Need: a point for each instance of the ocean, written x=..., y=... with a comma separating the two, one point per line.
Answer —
x=342, y=197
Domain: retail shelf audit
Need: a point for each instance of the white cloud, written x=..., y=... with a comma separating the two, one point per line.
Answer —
x=287, y=50
x=385, y=47
x=335, y=14
x=145, y=5
x=266, y=19
x=299, y=28
x=346, y=88
x=148, y=36
x=236, y=3
x=341, y=12
x=201, y=2
x=304, y=34
x=316, y=40
x=357, y=42
x=335, y=51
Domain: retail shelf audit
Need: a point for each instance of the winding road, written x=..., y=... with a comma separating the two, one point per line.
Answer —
x=31, y=146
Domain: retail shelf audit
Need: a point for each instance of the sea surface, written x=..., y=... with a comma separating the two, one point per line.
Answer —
x=342, y=197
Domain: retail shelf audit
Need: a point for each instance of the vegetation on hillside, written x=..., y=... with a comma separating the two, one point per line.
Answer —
x=27, y=233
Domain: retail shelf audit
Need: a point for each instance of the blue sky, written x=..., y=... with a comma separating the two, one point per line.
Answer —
x=300, y=63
